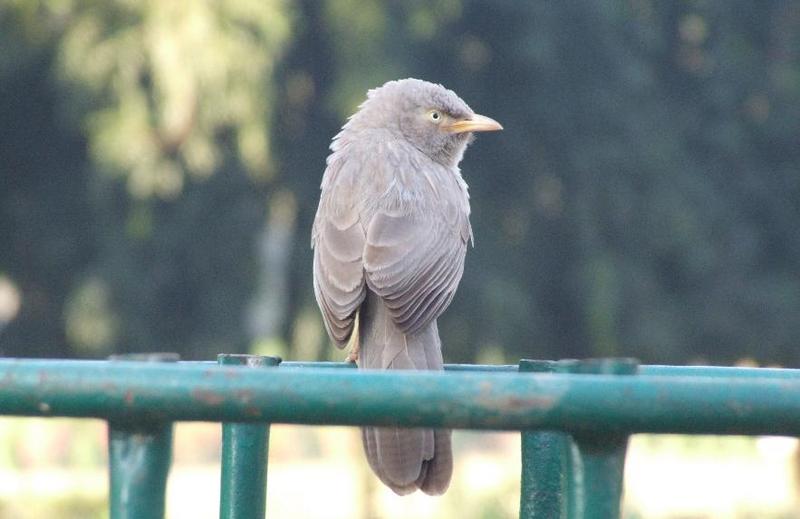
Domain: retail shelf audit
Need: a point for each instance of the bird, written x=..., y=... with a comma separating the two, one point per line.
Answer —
x=389, y=238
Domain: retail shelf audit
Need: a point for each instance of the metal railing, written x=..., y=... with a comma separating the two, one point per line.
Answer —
x=574, y=416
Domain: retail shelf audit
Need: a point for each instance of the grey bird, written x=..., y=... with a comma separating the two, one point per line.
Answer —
x=389, y=240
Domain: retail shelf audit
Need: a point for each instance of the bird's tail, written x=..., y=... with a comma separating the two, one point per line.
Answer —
x=404, y=459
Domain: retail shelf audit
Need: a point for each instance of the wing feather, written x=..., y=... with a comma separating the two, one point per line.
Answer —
x=338, y=241
x=415, y=262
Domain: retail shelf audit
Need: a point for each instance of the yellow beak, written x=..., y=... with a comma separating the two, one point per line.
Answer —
x=476, y=123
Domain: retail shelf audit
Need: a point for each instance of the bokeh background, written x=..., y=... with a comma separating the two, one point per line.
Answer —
x=160, y=164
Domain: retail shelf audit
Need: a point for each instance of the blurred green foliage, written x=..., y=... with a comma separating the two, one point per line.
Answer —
x=160, y=163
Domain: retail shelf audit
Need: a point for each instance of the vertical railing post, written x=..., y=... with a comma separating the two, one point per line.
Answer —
x=566, y=477
x=545, y=464
x=243, y=487
x=600, y=458
x=139, y=457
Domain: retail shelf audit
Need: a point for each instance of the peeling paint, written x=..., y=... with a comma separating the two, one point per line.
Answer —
x=208, y=397
x=253, y=412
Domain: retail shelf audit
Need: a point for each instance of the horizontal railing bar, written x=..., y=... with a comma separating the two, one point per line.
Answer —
x=509, y=368
x=655, y=369
x=139, y=391
x=645, y=369
x=660, y=370
x=718, y=371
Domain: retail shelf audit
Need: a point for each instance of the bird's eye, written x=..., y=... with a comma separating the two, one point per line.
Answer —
x=435, y=116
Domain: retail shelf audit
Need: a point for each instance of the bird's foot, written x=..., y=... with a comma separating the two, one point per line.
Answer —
x=352, y=355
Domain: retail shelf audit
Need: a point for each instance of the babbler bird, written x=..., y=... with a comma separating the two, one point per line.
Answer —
x=389, y=240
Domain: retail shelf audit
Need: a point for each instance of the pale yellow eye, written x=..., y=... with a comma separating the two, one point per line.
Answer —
x=435, y=116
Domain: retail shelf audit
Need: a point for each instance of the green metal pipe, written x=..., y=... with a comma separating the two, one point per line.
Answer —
x=139, y=460
x=139, y=457
x=579, y=477
x=563, y=366
x=559, y=365
x=245, y=446
x=546, y=469
x=482, y=368
x=136, y=391
x=600, y=462
x=718, y=371
x=545, y=474
x=597, y=460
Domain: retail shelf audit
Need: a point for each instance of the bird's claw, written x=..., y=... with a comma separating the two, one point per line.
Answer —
x=352, y=355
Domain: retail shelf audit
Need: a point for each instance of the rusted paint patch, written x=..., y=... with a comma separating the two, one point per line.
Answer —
x=252, y=411
x=229, y=374
x=519, y=404
x=207, y=397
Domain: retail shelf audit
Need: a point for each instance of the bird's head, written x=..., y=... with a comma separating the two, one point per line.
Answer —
x=430, y=117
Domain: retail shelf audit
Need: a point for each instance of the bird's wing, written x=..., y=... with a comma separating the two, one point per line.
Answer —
x=414, y=259
x=338, y=241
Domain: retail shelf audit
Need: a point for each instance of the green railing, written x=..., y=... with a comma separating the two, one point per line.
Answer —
x=575, y=416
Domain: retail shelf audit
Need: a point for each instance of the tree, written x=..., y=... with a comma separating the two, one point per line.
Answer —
x=160, y=171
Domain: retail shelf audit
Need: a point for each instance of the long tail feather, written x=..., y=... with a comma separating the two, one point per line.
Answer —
x=404, y=459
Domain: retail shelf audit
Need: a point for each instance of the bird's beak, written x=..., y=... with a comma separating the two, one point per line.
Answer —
x=475, y=123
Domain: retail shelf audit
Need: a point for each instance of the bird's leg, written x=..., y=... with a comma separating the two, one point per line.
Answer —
x=352, y=355
x=355, y=344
